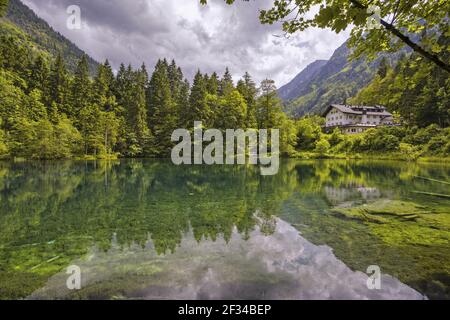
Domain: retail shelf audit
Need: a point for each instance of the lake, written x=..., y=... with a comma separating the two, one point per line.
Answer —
x=146, y=229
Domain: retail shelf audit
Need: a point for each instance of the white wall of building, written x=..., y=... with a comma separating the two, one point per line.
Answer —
x=337, y=118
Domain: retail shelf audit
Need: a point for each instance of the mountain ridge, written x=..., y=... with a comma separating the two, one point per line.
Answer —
x=289, y=90
x=336, y=81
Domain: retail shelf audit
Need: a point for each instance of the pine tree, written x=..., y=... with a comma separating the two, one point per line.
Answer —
x=175, y=79
x=179, y=88
x=81, y=88
x=182, y=104
x=206, y=81
x=105, y=109
x=59, y=86
x=139, y=114
x=39, y=75
x=162, y=109
x=198, y=106
x=144, y=74
x=213, y=84
x=248, y=90
x=133, y=102
x=226, y=83
x=103, y=88
x=120, y=84
x=14, y=55
x=268, y=105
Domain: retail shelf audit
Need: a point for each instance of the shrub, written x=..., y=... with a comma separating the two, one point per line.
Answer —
x=409, y=152
x=322, y=146
x=423, y=136
x=336, y=137
x=309, y=131
x=437, y=145
x=376, y=140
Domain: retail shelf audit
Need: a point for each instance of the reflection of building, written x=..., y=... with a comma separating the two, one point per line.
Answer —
x=339, y=195
x=369, y=193
x=356, y=119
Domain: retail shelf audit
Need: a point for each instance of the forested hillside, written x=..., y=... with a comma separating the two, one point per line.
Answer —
x=48, y=112
x=415, y=88
x=19, y=18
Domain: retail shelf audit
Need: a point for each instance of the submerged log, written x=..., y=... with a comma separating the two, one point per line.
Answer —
x=433, y=194
x=433, y=180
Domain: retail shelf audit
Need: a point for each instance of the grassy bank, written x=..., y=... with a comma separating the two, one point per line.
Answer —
x=368, y=156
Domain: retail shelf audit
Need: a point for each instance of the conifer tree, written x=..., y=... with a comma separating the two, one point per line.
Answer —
x=226, y=83
x=198, y=106
x=103, y=88
x=248, y=90
x=106, y=121
x=179, y=88
x=268, y=105
x=162, y=109
x=182, y=104
x=175, y=79
x=81, y=88
x=144, y=74
x=120, y=85
x=39, y=75
x=213, y=84
x=59, y=85
x=138, y=135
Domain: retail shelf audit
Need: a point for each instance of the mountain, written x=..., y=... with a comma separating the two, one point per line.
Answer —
x=292, y=89
x=21, y=21
x=335, y=81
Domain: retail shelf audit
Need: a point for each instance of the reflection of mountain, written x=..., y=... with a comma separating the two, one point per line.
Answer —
x=282, y=266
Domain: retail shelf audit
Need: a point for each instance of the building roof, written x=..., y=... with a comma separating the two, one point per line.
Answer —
x=359, y=110
x=354, y=125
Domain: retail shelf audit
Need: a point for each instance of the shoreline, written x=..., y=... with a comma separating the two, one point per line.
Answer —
x=299, y=156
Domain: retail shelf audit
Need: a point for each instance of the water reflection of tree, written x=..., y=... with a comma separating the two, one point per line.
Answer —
x=73, y=205
x=60, y=209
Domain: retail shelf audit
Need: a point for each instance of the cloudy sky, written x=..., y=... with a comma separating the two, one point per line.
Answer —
x=207, y=37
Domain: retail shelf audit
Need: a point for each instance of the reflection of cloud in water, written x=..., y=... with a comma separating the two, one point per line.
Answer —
x=281, y=266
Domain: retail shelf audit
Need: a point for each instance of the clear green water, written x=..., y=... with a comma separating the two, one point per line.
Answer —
x=145, y=229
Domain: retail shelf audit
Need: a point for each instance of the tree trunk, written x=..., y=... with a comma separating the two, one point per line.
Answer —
x=106, y=142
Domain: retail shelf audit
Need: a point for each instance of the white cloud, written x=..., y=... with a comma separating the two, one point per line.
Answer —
x=208, y=37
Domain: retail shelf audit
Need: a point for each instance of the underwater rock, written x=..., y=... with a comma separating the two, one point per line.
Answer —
x=380, y=211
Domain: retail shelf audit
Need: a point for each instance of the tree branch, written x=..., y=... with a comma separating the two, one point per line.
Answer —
x=406, y=40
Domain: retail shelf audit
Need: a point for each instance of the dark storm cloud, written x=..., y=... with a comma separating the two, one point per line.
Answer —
x=207, y=37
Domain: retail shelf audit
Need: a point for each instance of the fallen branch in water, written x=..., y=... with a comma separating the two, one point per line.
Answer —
x=433, y=180
x=433, y=194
